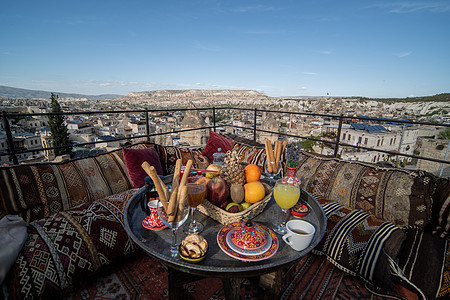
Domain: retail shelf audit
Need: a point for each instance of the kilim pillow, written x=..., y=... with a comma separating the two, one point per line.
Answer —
x=422, y=261
x=68, y=245
x=251, y=155
x=441, y=209
x=360, y=243
x=134, y=159
x=216, y=141
x=168, y=156
x=35, y=191
x=396, y=195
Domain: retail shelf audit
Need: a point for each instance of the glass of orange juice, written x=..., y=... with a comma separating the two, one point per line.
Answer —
x=286, y=194
x=196, y=194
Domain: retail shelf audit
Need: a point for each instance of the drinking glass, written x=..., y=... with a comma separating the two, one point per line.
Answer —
x=275, y=171
x=179, y=220
x=196, y=194
x=286, y=193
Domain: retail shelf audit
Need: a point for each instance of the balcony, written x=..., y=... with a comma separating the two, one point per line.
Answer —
x=378, y=140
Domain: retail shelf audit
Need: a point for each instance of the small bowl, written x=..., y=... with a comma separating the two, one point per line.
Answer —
x=193, y=260
x=300, y=210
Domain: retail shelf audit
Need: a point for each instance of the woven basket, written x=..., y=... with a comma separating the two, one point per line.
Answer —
x=224, y=217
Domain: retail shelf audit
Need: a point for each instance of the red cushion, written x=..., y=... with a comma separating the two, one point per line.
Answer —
x=216, y=141
x=134, y=159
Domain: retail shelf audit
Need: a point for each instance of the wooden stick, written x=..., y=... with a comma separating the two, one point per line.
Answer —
x=268, y=149
x=187, y=171
x=182, y=202
x=151, y=171
x=172, y=207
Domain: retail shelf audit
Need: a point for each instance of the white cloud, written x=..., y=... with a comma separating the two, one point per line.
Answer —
x=309, y=73
x=326, y=52
x=202, y=46
x=255, y=8
x=412, y=7
x=403, y=54
x=263, y=32
x=303, y=88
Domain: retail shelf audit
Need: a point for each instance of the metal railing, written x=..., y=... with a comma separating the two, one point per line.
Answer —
x=336, y=143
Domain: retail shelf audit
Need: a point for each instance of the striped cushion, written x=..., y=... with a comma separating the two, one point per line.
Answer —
x=422, y=263
x=168, y=156
x=35, y=191
x=400, y=196
x=251, y=155
x=358, y=242
x=441, y=209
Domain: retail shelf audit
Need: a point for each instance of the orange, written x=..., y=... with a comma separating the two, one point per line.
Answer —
x=202, y=180
x=254, y=192
x=252, y=173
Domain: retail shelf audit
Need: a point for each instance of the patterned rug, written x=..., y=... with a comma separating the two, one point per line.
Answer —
x=317, y=278
x=142, y=277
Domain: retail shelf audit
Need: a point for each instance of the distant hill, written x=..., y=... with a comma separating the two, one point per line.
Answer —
x=16, y=93
x=445, y=97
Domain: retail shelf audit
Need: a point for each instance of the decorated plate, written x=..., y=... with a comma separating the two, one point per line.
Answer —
x=146, y=225
x=249, y=240
x=222, y=241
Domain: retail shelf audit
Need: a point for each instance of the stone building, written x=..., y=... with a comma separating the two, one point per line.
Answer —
x=433, y=148
x=269, y=123
x=193, y=120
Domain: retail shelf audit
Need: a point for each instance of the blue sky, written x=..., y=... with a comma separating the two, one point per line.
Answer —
x=280, y=47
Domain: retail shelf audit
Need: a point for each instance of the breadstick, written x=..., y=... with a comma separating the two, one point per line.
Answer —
x=172, y=207
x=160, y=189
x=164, y=187
x=271, y=157
x=187, y=171
x=181, y=202
x=268, y=148
x=284, y=147
x=277, y=153
x=176, y=174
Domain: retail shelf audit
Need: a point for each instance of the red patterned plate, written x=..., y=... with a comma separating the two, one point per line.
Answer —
x=222, y=241
x=147, y=225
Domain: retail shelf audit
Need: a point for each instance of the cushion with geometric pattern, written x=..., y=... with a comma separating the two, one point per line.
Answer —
x=66, y=246
x=360, y=243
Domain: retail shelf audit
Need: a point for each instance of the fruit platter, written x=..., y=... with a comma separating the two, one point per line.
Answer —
x=234, y=191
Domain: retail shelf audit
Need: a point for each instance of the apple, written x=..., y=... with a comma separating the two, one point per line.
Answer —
x=225, y=204
x=217, y=191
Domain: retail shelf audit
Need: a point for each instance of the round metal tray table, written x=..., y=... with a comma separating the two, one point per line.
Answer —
x=217, y=263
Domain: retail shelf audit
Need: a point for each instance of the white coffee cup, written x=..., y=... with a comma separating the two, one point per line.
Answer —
x=299, y=234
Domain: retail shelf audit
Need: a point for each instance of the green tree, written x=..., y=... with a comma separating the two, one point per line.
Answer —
x=444, y=135
x=58, y=128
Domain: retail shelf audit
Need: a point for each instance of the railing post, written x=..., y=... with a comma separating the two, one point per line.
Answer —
x=147, y=125
x=338, y=137
x=9, y=139
x=214, y=118
x=254, y=125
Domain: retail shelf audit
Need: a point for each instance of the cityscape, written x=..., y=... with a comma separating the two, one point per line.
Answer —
x=312, y=117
